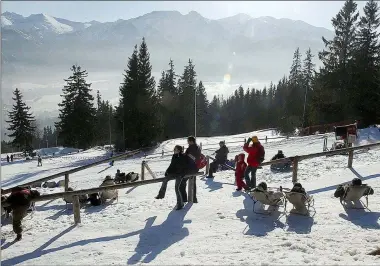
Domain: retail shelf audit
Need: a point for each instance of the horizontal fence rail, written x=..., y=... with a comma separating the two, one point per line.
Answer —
x=80, y=168
x=296, y=159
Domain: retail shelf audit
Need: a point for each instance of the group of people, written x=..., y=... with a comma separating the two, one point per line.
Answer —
x=182, y=164
x=243, y=171
x=9, y=158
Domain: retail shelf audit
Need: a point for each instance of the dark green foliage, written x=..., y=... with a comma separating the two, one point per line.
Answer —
x=76, y=125
x=21, y=124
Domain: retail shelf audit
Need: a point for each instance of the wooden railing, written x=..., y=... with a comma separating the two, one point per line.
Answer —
x=80, y=168
x=297, y=159
x=75, y=194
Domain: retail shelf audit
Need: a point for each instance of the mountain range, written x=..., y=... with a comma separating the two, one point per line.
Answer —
x=38, y=50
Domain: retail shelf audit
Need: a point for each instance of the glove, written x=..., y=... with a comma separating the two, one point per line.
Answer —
x=249, y=140
x=261, y=160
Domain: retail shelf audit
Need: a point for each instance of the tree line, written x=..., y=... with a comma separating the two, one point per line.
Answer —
x=345, y=87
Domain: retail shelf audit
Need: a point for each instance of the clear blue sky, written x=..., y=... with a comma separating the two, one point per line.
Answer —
x=317, y=13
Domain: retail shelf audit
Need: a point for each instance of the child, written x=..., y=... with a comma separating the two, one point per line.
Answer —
x=239, y=172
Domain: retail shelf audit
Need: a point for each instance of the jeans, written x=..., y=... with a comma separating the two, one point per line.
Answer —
x=214, y=166
x=180, y=190
x=162, y=191
x=251, y=182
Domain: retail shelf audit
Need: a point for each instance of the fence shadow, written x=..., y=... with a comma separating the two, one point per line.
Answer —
x=38, y=252
x=324, y=189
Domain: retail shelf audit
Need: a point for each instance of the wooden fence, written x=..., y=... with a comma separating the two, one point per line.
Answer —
x=80, y=168
x=297, y=159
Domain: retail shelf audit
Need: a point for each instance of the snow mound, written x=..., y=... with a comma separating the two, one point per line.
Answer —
x=5, y=22
x=368, y=136
x=56, y=151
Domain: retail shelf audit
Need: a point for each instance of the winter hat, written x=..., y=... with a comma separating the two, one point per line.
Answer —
x=263, y=185
x=356, y=182
x=108, y=177
x=298, y=185
x=221, y=142
x=255, y=139
x=280, y=151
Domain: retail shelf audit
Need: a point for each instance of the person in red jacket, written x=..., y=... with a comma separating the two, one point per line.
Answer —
x=239, y=172
x=256, y=155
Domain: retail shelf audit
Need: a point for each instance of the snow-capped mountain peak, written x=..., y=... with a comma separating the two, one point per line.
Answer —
x=44, y=21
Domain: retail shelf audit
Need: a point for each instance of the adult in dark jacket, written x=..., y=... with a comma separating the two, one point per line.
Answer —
x=256, y=155
x=19, y=201
x=194, y=153
x=178, y=167
x=220, y=158
x=279, y=155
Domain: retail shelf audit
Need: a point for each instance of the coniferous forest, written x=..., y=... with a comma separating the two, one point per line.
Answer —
x=345, y=87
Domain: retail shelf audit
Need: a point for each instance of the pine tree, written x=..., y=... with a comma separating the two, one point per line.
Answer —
x=21, y=124
x=202, y=111
x=138, y=110
x=308, y=79
x=336, y=74
x=187, y=90
x=365, y=94
x=76, y=123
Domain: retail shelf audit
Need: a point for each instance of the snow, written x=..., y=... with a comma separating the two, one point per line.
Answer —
x=368, y=136
x=220, y=229
x=5, y=21
x=54, y=25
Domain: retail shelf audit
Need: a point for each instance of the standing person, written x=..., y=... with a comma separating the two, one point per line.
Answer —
x=194, y=153
x=7, y=158
x=178, y=167
x=11, y=157
x=220, y=158
x=39, y=159
x=239, y=172
x=256, y=155
x=19, y=201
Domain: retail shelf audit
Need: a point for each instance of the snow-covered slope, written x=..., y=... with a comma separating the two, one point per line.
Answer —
x=220, y=229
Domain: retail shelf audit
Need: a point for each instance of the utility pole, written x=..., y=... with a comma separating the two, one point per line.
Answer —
x=195, y=111
x=304, y=108
x=123, y=135
x=109, y=122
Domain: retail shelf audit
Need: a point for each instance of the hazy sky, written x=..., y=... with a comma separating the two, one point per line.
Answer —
x=317, y=13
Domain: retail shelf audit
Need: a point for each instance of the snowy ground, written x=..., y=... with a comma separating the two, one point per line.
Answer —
x=220, y=229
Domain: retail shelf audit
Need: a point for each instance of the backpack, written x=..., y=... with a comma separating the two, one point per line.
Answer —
x=201, y=162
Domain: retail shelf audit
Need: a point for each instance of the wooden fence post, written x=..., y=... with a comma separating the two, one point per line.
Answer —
x=66, y=182
x=207, y=165
x=76, y=207
x=190, y=187
x=350, y=158
x=295, y=169
x=142, y=170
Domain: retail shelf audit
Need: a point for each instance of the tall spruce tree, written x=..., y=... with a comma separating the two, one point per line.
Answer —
x=138, y=109
x=308, y=79
x=336, y=74
x=76, y=123
x=187, y=91
x=21, y=124
x=366, y=93
x=203, y=118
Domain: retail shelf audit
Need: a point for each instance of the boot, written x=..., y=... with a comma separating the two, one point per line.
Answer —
x=159, y=197
x=179, y=207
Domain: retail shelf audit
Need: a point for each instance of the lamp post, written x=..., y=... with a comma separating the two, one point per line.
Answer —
x=195, y=106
